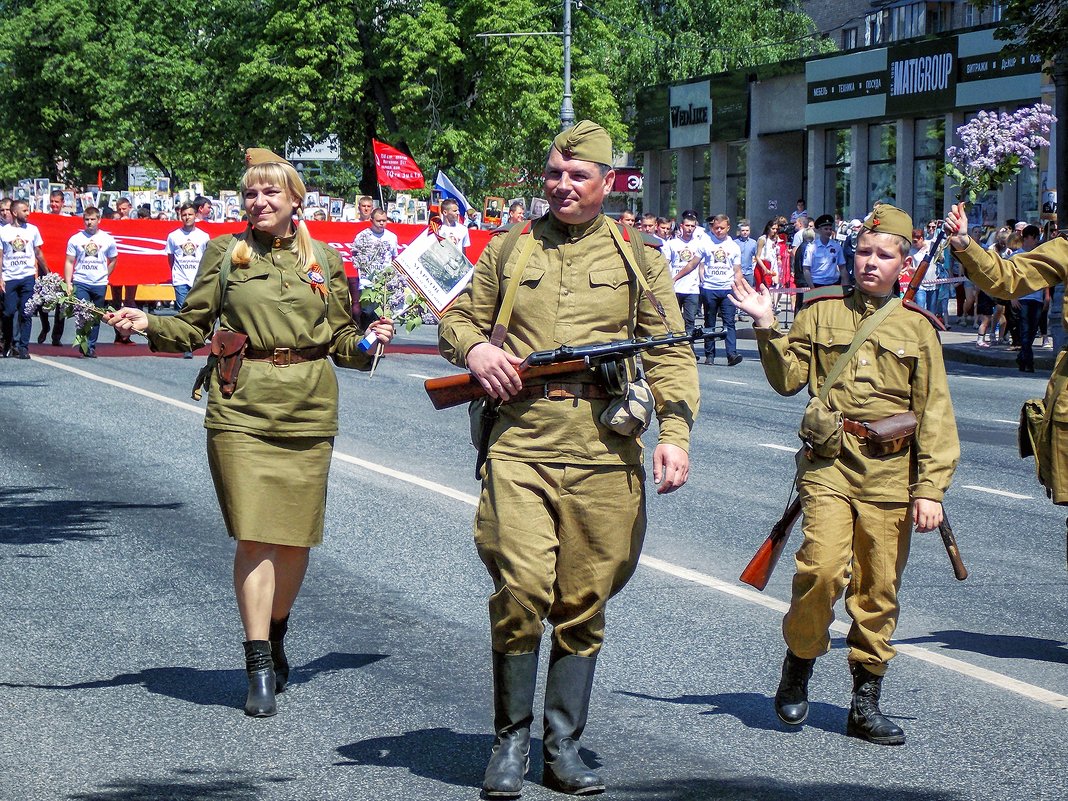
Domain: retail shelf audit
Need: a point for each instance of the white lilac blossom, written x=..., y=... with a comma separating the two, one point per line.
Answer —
x=995, y=147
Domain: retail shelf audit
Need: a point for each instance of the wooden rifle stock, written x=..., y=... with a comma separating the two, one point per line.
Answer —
x=760, y=567
x=908, y=299
x=452, y=390
x=946, y=530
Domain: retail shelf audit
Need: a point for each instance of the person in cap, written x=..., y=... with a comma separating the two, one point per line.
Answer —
x=269, y=439
x=824, y=258
x=860, y=500
x=561, y=517
x=1014, y=277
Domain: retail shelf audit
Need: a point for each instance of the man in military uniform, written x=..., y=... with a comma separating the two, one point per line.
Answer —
x=859, y=505
x=1045, y=266
x=561, y=517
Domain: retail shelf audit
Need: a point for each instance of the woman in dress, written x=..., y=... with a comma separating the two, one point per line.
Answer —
x=270, y=438
x=767, y=261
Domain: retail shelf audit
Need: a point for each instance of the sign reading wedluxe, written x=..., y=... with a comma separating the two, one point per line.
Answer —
x=690, y=115
x=922, y=76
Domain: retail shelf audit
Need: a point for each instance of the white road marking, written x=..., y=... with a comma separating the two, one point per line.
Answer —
x=728, y=381
x=727, y=588
x=418, y=375
x=775, y=447
x=1002, y=493
x=976, y=377
x=1010, y=422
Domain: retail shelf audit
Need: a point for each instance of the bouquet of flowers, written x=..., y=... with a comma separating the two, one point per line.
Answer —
x=995, y=147
x=50, y=292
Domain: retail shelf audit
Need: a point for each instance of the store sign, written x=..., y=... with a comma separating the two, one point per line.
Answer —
x=628, y=179
x=927, y=77
x=690, y=115
x=921, y=77
x=327, y=150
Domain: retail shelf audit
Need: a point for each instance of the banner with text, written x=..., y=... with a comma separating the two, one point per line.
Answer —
x=141, y=243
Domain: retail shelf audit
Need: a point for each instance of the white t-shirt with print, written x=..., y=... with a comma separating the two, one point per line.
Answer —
x=389, y=239
x=723, y=256
x=458, y=234
x=19, y=242
x=91, y=255
x=187, y=250
x=679, y=254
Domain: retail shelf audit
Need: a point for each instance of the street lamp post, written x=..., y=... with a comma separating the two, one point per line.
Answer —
x=567, y=111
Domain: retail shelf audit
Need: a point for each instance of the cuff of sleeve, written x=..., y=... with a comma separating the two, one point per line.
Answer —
x=927, y=492
x=674, y=432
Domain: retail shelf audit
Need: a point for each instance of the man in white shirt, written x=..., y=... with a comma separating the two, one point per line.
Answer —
x=717, y=275
x=20, y=260
x=685, y=254
x=451, y=228
x=91, y=256
x=375, y=238
x=824, y=258
x=185, y=248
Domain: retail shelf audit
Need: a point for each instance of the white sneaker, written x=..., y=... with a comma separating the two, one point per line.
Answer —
x=1047, y=343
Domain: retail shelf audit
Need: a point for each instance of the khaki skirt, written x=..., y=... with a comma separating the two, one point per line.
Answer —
x=271, y=489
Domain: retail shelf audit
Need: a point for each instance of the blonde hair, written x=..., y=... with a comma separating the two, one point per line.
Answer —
x=285, y=177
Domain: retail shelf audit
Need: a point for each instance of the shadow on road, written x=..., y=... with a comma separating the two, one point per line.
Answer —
x=762, y=788
x=757, y=711
x=29, y=521
x=188, y=785
x=209, y=687
x=440, y=754
x=1003, y=646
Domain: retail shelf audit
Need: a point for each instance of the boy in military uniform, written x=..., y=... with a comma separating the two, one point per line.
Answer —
x=561, y=518
x=859, y=505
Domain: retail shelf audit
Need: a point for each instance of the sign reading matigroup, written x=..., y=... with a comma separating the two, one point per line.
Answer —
x=925, y=77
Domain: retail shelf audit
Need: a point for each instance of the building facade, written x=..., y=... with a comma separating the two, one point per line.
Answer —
x=847, y=129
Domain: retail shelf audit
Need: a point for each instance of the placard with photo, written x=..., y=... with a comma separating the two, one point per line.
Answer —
x=337, y=204
x=196, y=187
x=163, y=185
x=311, y=200
x=436, y=269
x=492, y=211
x=539, y=207
x=41, y=187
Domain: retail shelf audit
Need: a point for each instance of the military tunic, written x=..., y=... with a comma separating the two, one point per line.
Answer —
x=857, y=521
x=1045, y=266
x=562, y=513
x=270, y=443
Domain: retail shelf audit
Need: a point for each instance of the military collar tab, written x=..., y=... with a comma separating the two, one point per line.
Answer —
x=580, y=230
x=268, y=241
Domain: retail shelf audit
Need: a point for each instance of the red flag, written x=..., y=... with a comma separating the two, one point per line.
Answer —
x=396, y=169
x=99, y=179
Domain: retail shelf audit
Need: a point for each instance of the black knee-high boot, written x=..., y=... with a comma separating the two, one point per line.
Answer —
x=567, y=703
x=260, y=701
x=514, y=679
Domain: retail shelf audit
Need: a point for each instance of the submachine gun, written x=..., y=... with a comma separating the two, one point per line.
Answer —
x=606, y=360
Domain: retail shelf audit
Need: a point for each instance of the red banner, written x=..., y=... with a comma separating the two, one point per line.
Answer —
x=141, y=243
x=396, y=169
x=628, y=179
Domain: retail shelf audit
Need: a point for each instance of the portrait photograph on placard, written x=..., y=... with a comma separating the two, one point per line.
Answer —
x=337, y=205
x=311, y=200
x=41, y=187
x=163, y=184
x=436, y=269
x=196, y=187
x=538, y=207
x=492, y=211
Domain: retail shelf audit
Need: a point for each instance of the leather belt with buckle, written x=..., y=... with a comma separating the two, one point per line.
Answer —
x=558, y=391
x=283, y=357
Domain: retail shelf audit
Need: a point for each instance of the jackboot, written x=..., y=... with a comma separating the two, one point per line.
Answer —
x=866, y=721
x=791, y=699
x=260, y=700
x=567, y=703
x=514, y=678
x=278, y=653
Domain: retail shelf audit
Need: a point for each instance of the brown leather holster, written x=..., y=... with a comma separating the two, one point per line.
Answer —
x=883, y=437
x=227, y=352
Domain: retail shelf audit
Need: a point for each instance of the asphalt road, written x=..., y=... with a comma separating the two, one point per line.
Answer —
x=122, y=675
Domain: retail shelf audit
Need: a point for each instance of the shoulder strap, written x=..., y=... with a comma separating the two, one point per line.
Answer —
x=504, y=314
x=634, y=258
x=865, y=331
x=224, y=269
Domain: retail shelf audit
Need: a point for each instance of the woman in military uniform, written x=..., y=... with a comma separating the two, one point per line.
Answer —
x=270, y=439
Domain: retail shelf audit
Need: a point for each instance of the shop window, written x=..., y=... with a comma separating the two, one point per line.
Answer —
x=837, y=171
x=669, y=164
x=928, y=189
x=737, y=153
x=882, y=163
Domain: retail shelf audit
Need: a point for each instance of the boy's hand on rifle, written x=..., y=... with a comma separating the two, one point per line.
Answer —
x=756, y=304
x=926, y=514
x=956, y=226
x=671, y=468
x=495, y=370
